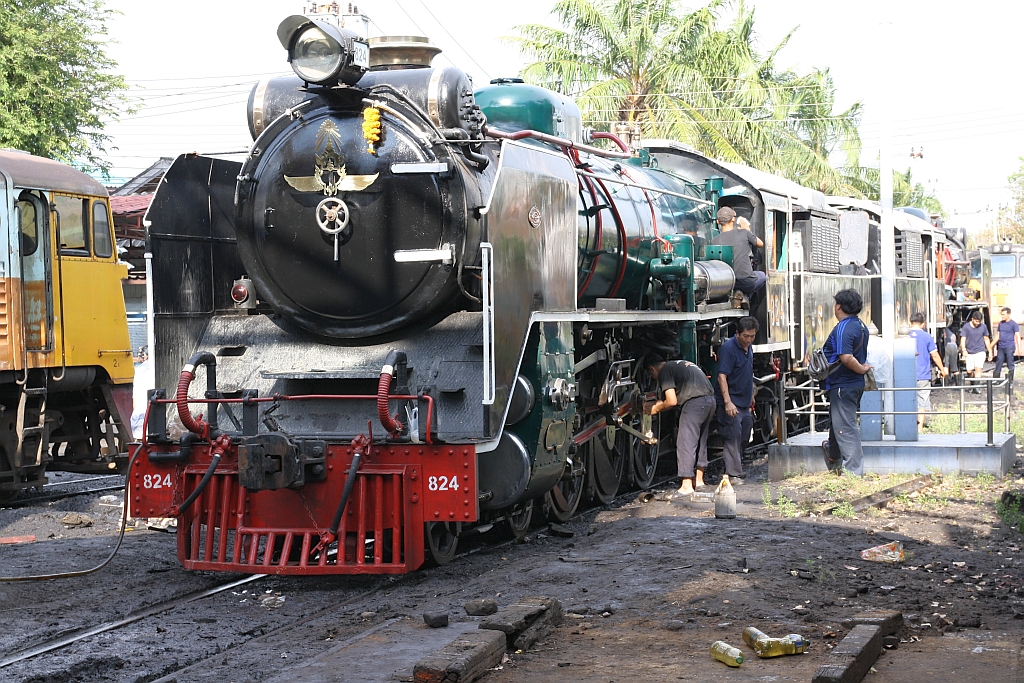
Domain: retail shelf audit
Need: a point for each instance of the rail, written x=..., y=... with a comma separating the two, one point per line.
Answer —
x=816, y=407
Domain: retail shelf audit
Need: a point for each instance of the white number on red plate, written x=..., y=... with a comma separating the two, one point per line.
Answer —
x=443, y=483
x=156, y=481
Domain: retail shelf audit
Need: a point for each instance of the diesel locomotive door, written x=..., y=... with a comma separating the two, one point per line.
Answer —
x=36, y=283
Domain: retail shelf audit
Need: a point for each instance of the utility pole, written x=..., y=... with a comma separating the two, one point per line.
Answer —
x=886, y=230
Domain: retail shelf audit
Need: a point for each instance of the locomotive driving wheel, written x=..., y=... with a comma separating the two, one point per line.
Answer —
x=442, y=541
x=606, y=468
x=518, y=519
x=560, y=503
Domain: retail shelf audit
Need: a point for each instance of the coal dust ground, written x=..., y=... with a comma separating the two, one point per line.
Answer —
x=646, y=586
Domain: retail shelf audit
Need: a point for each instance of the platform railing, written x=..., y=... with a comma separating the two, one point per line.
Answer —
x=815, y=405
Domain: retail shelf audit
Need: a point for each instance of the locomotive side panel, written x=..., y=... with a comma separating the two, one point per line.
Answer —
x=195, y=259
x=531, y=223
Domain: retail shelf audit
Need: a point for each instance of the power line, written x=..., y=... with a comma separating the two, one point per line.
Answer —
x=464, y=50
x=186, y=111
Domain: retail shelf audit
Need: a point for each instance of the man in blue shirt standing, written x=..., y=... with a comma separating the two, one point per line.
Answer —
x=927, y=352
x=734, y=394
x=1006, y=341
x=847, y=343
x=975, y=344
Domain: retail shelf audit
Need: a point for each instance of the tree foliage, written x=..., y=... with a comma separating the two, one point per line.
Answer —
x=1010, y=220
x=700, y=78
x=57, y=88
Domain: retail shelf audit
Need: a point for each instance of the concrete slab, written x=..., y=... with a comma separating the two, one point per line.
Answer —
x=385, y=653
x=946, y=453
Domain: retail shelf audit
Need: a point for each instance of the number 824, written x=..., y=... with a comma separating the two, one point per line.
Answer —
x=443, y=483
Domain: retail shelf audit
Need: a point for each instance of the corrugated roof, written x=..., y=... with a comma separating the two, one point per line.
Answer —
x=36, y=173
x=122, y=205
x=146, y=181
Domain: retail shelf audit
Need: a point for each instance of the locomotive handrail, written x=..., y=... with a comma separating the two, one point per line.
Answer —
x=315, y=397
x=486, y=258
x=612, y=179
x=554, y=140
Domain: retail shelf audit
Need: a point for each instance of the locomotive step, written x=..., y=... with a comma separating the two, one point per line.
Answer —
x=34, y=391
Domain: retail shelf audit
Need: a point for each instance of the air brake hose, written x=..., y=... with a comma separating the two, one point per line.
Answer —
x=392, y=425
x=188, y=373
x=360, y=445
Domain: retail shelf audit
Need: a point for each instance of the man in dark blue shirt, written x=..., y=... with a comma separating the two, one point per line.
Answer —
x=847, y=343
x=1006, y=341
x=734, y=394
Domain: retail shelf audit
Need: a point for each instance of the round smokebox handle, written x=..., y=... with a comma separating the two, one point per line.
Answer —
x=332, y=211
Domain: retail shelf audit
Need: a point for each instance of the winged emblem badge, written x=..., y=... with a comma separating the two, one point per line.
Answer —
x=329, y=176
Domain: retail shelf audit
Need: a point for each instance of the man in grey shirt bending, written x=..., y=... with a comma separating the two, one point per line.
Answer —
x=742, y=242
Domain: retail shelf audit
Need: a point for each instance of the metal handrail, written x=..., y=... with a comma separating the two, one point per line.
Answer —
x=809, y=407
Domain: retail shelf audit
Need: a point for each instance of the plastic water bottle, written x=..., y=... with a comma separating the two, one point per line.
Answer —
x=724, y=652
x=725, y=499
x=765, y=647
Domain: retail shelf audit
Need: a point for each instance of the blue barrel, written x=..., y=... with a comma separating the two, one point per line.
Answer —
x=904, y=374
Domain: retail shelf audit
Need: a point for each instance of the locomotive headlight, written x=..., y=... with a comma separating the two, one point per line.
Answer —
x=323, y=54
x=315, y=57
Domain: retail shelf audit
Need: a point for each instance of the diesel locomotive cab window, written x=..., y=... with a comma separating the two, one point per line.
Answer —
x=1004, y=265
x=28, y=218
x=101, y=240
x=71, y=212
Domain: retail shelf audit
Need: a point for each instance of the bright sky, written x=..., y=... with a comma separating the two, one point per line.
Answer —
x=946, y=76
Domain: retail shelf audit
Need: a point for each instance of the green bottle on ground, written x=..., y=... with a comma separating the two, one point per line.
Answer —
x=765, y=647
x=724, y=652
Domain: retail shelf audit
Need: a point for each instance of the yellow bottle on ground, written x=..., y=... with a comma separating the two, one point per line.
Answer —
x=726, y=653
x=765, y=647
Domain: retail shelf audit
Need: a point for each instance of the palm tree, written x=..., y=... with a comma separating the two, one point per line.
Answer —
x=681, y=76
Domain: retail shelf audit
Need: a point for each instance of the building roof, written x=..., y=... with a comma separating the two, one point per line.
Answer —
x=36, y=173
x=147, y=181
x=123, y=205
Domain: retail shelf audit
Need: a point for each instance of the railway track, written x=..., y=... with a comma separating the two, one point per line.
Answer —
x=55, y=646
x=57, y=490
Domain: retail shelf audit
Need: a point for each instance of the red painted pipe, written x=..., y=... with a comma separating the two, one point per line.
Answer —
x=561, y=142
x=600, y=135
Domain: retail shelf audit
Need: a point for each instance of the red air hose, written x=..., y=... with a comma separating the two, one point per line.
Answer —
x=191, y=424
x=390, y=424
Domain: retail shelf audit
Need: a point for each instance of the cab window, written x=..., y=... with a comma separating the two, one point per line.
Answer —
x=28, y=218
x=72, y=212
x=1004, y=265
x=102, y=243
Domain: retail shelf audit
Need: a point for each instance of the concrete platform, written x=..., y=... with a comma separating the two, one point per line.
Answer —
x=947, y=453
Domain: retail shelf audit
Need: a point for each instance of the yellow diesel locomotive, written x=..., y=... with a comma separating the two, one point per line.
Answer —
x=65, y=359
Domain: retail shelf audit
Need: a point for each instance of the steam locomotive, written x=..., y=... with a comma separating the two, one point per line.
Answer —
x=419, y=307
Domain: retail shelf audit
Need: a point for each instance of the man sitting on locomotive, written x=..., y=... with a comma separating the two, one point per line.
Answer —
x=742, y=242
x=685, y=384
